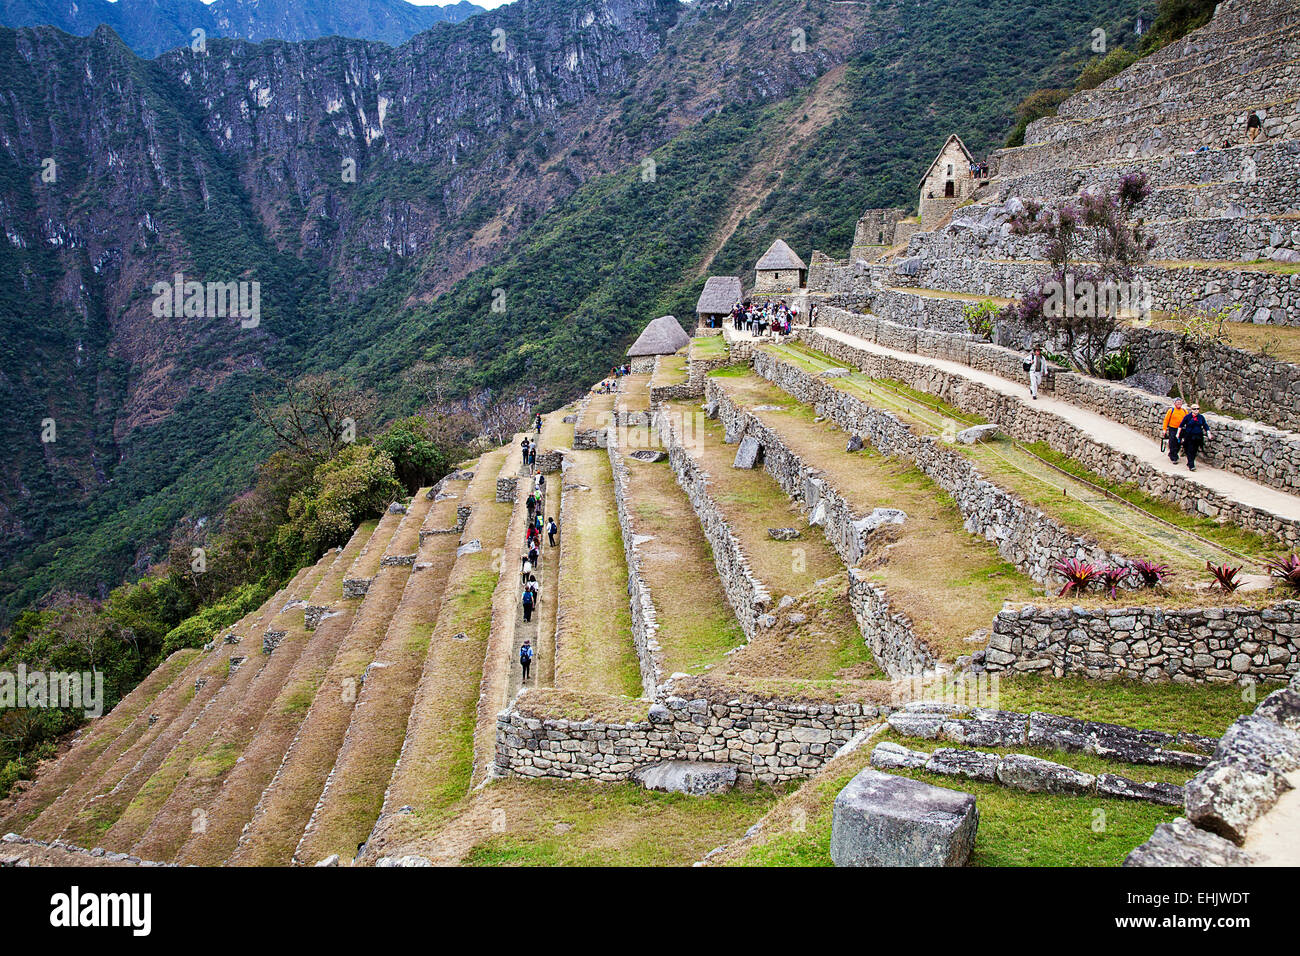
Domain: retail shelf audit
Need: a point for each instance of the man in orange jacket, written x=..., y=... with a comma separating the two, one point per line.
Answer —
x=1174, y=421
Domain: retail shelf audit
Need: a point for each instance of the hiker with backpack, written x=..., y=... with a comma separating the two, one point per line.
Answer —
x=1173, y=420
x=551, y=529
x=526, y=651
x=528, y=608
x=539, y=424
x=1193, y=434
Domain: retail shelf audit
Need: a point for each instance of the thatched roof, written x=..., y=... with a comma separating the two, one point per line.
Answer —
x=663, y=336
x=779, y=256
x=719, y=295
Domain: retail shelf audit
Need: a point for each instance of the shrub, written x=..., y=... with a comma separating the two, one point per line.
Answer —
x=1286, y=570
x=1078, y=575
x=979, y=318
x=1112, y=578
x=1117, y=365
x=1151, y=573
x=1224, y=576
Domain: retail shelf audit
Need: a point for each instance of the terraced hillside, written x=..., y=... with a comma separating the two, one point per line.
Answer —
x=782, y=560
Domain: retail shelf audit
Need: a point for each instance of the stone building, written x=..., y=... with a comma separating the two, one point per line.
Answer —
x=876, y=231
x=779, y=271
x=719, y=295
x=947, y=183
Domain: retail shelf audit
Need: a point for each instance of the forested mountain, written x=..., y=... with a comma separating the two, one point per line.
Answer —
x=151, y=27
x=577, y=163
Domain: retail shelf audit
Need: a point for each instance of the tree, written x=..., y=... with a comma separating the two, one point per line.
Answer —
x=417, y=459
x=1083, y=299
x=1201, y=332
x=314, y=416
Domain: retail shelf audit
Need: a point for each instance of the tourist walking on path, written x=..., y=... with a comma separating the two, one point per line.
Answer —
x=1169, y=428
x=551, y=529
x=539, y=424
x=528, y=616
x=1194, y=432
x=1036, y=366
x=526, y=657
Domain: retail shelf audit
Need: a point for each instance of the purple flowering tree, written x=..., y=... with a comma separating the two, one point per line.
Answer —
x=1094, y=247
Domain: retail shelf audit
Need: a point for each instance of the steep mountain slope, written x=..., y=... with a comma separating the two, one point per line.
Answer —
x=151, y=27
x=579, y=176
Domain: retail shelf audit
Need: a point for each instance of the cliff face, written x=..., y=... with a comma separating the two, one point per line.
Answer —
x=151, y=27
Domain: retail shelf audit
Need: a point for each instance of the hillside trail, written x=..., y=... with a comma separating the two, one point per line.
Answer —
x=531, y=630
x=1144, y=447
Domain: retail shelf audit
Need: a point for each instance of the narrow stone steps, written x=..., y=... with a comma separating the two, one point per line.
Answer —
x=285, y=807
x=187, y=807
x=232, y=796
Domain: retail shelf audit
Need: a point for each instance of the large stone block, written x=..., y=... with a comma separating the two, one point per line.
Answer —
x=1231, y=794
x=883, y=820
x=1024, y=772
x=687, y=776
x=749, y=454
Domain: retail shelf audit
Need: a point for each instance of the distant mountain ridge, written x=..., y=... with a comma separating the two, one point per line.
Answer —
x=151, y=27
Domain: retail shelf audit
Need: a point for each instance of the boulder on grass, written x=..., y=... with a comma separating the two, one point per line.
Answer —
x=687, y=776
x=648, y=455
x=888, y=755
x=1036, y=775
x=1178, y=843
x=883, y=820
x=977, y=433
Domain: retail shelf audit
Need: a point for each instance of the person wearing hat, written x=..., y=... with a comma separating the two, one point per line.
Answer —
x=1036, y=366
x=1192, y=434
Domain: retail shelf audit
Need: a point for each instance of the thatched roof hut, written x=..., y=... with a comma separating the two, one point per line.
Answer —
x=779, y=256
x=719, y=295
x=663, y=336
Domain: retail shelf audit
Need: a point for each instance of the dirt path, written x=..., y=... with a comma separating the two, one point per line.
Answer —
x=1274, y=839
x=1141, y=446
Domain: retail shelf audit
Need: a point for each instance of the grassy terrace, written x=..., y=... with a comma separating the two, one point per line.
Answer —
x=676, y=562
x=374, y=739
x=672, y=369
x=293, y=794
x=708, y=346
x=826, y=644
x=1071, y=502
x=596, y=653
x=947, y=581
x=239, y=786
x=437, y=759
x=1282, y=342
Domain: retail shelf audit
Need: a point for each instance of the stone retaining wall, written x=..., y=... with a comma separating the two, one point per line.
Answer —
x=768, y=741
x=644, y=615
x=748, y=597
x=1027, y=423
x=1207, y=644
x=1023, y=535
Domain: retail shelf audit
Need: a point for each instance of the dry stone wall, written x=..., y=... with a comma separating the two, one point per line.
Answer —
x=1018, y=419
x=1206, y=644
x=644, y=615
x=1023, y=535
x=768, y=741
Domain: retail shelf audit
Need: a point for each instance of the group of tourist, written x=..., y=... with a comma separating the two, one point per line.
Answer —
x=529, y=561
x=760, y=320
x=979, y=170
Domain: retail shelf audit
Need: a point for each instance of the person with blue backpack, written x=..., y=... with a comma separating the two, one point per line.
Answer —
x=526, y=653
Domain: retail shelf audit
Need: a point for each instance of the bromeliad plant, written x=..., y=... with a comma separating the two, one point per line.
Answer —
x=1151, y=573
x=1078, y=575
x=1113, y=577
x=1224, y=576
x=1286, y=570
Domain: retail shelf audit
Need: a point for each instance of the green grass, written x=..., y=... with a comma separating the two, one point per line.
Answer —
x=1015, y=828
x=1230, y=536
x=708, y=346
x=1197, y=708
x=574, y=824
